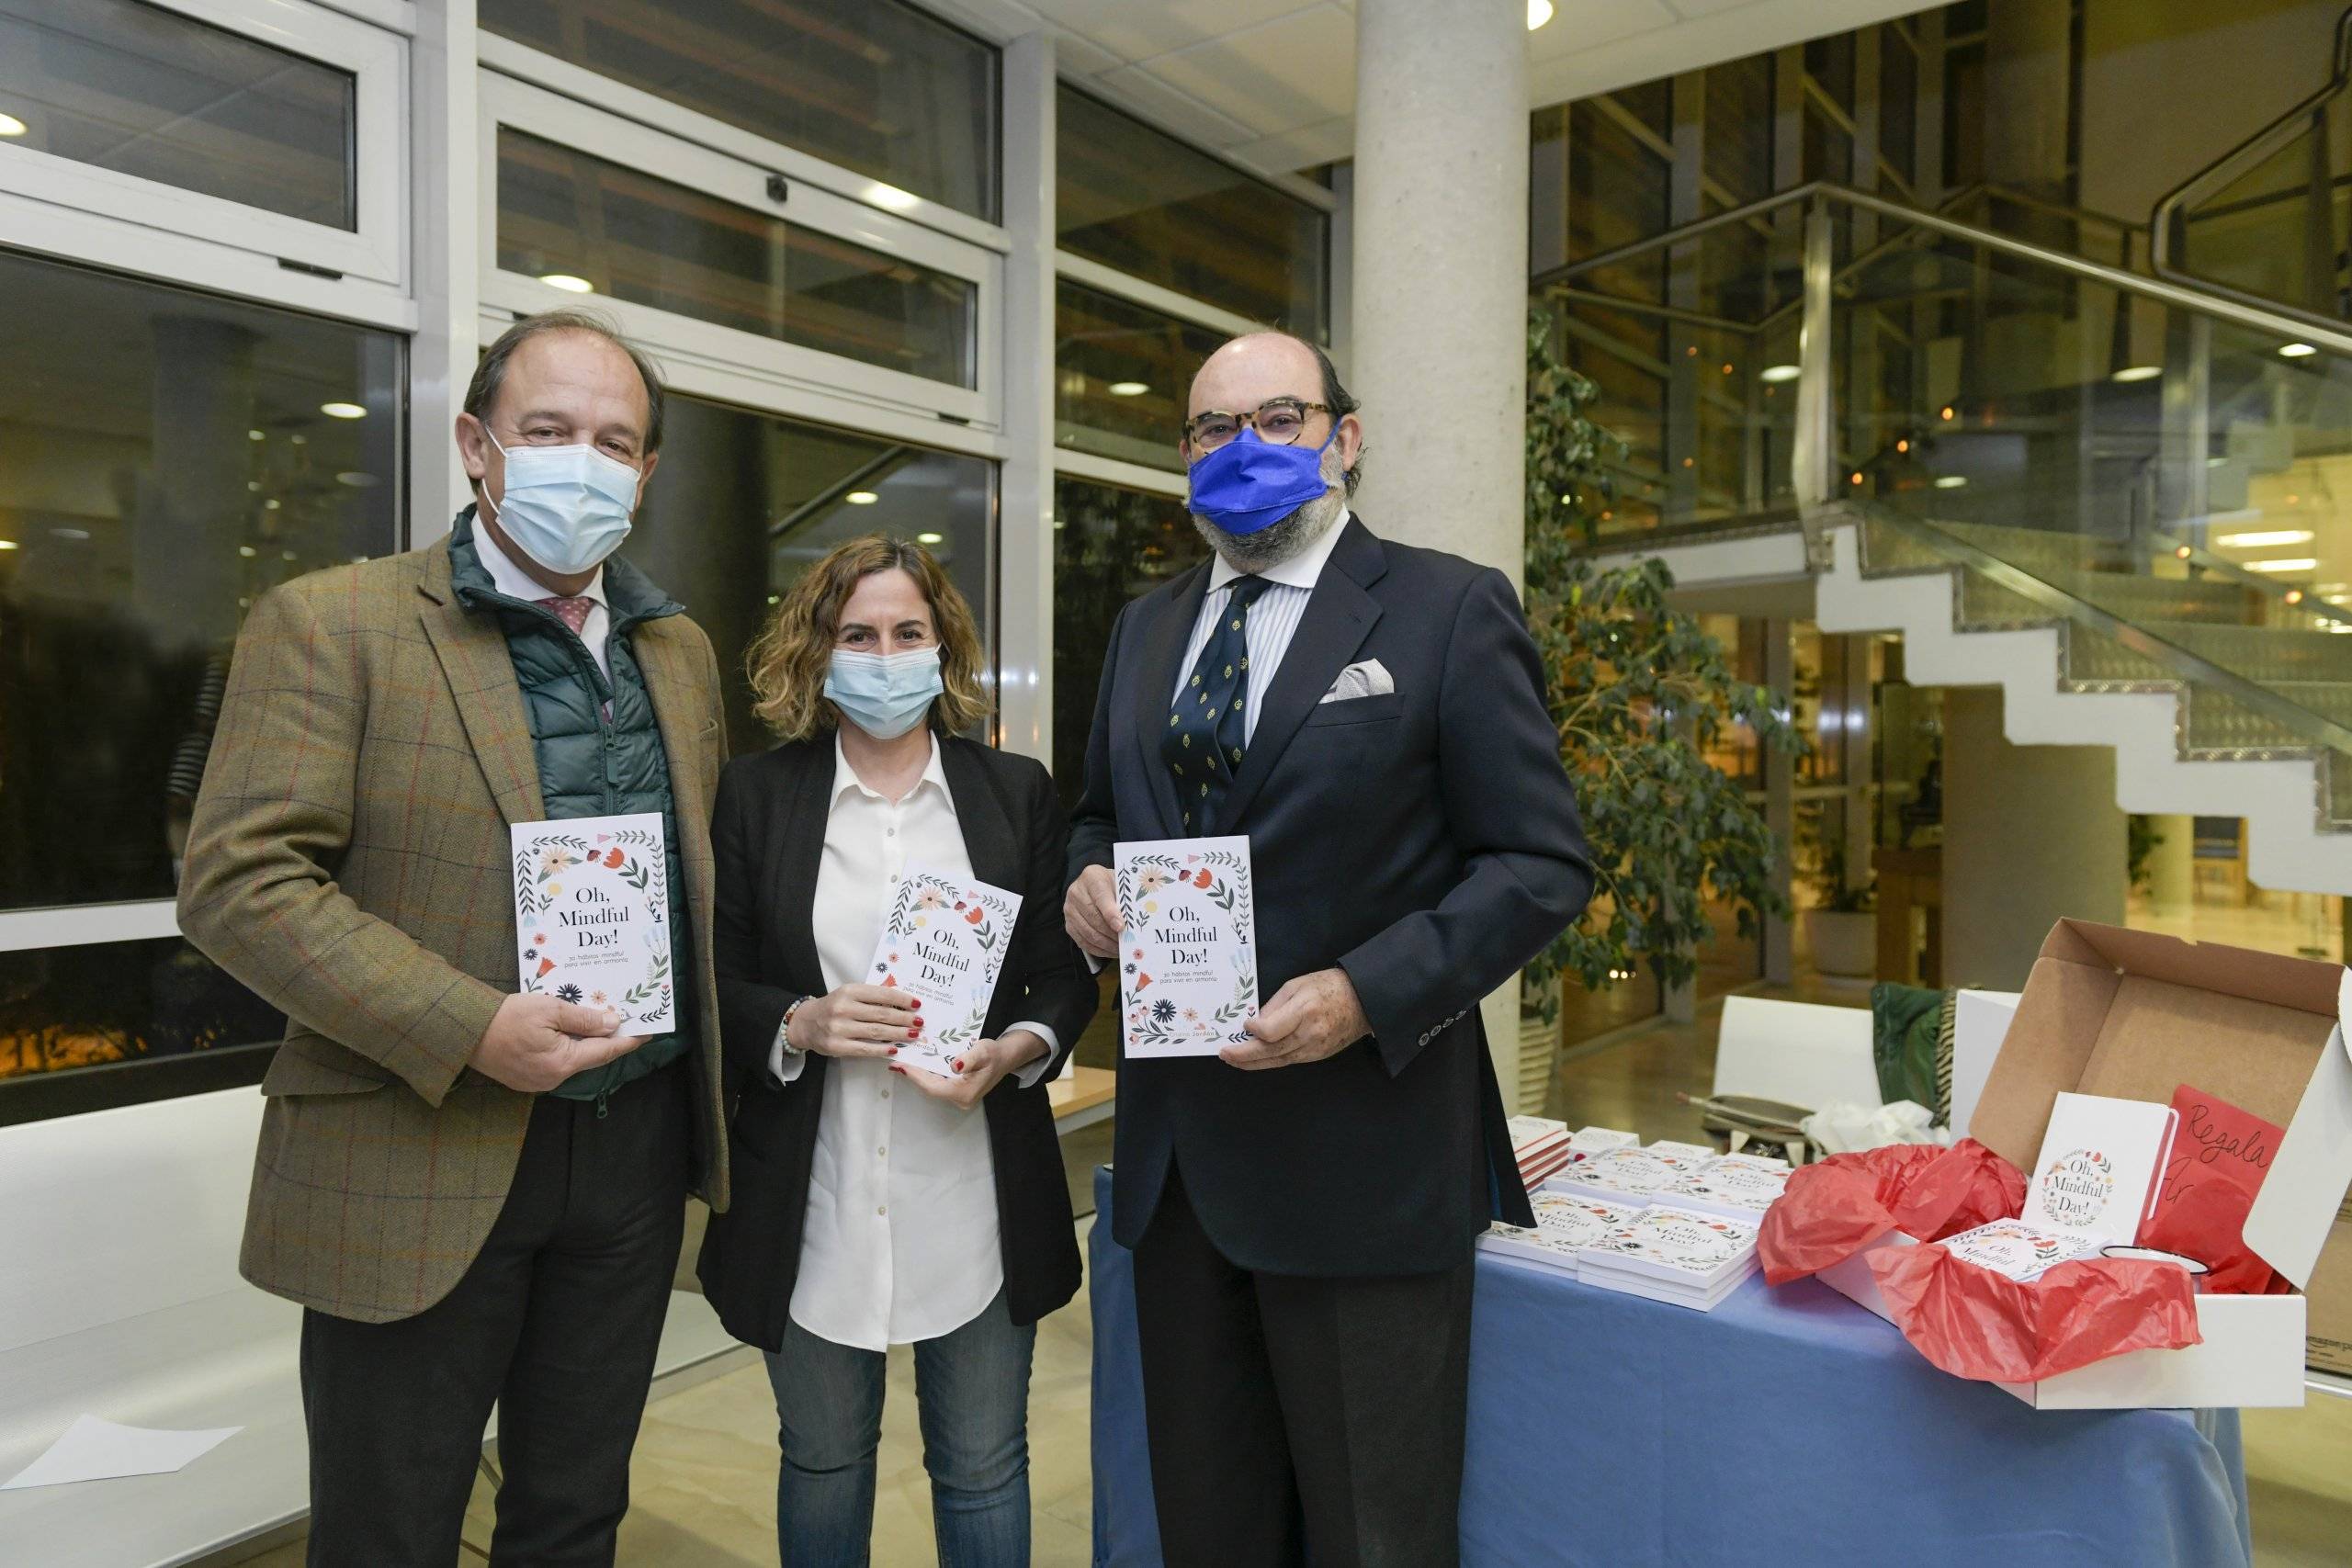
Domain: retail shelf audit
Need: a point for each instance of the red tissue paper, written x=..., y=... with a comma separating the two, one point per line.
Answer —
x=1833, y=1210
x=2218, y=1160
x=1974, y=1323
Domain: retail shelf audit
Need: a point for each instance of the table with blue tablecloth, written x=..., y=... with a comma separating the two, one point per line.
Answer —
x=1786, y=1426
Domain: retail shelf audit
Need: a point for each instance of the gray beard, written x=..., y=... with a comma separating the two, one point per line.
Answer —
x=1272, y=546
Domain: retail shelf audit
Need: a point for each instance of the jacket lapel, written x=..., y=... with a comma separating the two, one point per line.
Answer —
x=989, y=836
x=1339, y=614
x=1163, y=652
x=480, y=673
x=795, y=852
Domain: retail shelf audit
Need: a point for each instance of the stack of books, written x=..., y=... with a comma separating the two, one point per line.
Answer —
x=1540, y=1146
x=1628, y=1176
x=1739, y=1186
x=1590, y=1141
x=1565, y=1224
x=1678, y=1256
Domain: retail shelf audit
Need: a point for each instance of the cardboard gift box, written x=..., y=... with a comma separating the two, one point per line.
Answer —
x=2135, y=1015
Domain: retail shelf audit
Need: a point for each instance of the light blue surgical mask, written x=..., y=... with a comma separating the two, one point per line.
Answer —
x=884, y=695
x=565, y=507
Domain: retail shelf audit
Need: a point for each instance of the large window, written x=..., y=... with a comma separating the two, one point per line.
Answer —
x=166, y=457
x=1145, y=204
x=1122, y=375
x=591, y=226
x=877, y=86
x=746, y=501
x=1111, y=545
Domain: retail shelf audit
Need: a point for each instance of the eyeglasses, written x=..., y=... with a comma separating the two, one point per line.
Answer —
x=1279, y=422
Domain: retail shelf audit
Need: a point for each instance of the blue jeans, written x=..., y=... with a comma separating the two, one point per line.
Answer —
x=972, y=1387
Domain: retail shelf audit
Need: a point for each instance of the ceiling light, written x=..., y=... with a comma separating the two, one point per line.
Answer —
x=1950, y=481
x=255, y=435
x=76, y=535
x=1128, y=389
x=2294, y=596
x=342, y=410
x=861, y=498
x=890, y=197
x=1945, y=413
x=11, y=125
x=2215, y=462
x=270, y=505
x=567, y=282
x=2296, y=350
x=2256, y=541
x=931, y=538
x=1538, y=12
x=8, y=544
x=2300, y=563
x=246, y=551
x=2138, y=373
x=2183, y=552
x=1778, y=373
x=357, y=479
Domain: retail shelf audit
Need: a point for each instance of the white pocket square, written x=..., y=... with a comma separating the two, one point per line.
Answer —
x=1369, y=679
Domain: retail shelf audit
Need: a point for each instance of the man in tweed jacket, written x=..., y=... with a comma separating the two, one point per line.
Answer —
x=475, y=1195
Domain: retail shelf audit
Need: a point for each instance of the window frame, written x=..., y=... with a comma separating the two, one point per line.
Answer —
x=375, y=251
x=785, y=368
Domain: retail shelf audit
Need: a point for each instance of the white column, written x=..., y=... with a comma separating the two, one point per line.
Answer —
x=2032, y=833
x=445, y=250
x=1438, y=317
x=1026, y=544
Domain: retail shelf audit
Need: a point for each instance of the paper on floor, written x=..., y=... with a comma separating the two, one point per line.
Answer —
x=92, y=1449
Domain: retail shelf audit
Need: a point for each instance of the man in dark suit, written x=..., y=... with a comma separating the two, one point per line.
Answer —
x=1301, y=1211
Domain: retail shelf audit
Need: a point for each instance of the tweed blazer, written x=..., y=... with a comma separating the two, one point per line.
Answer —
x=349, y=862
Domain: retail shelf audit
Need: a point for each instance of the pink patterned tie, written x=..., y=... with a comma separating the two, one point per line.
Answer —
x=572, y=609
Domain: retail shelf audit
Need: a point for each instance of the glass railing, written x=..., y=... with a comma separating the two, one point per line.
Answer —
x=2165, y=474
x=2268, y=220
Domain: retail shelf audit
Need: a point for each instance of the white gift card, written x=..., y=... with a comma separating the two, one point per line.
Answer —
x=943, y=944
x=2098, y=1170
x=592, y=916
x=1188, y=956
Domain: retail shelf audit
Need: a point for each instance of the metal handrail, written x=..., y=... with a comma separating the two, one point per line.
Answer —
x=2197, y=299
x=2163, y=232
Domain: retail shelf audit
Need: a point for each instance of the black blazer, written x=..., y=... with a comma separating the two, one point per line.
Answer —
x=767, y=838
x=1425, y=840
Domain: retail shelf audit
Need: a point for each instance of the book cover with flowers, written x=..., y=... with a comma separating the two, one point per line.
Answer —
x=943, y=944
x=592, y=916
x=1188, y=960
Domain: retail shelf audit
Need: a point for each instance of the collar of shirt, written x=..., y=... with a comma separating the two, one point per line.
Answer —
x=516, y=583
x=933, y=773
x=1302, y=571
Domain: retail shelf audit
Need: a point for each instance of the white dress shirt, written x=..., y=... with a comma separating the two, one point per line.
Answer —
x=516, y=583
x=1273, y=619
x=901, y=1242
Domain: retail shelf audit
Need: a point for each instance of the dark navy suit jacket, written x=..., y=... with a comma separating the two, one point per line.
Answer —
x=1425, y=840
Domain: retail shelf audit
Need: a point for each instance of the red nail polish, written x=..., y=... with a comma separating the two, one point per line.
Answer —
x=901, y=1071
x=959, y=1065
x=912, y=1032
x=918, y=1002
x=893, y=1049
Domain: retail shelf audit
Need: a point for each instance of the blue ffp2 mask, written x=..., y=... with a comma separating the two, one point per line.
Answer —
x=884, y=695
x=1249, y=484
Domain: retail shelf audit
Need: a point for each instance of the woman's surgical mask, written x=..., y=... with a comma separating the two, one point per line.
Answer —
x=565, y=507
x=884, y=694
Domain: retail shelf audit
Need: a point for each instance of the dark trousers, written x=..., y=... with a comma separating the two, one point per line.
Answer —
x=557, y=1321
x=1294, y=1417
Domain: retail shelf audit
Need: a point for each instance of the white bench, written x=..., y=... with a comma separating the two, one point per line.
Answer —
x=119, y=1297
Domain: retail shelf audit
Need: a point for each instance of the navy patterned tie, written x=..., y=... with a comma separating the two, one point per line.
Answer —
x=1204, y=740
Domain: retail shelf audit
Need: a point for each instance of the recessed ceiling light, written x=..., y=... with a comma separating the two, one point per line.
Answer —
x=2300, y=563
x=270, y=505
x=567, y=282
x=931, y=538
x=8, y=544
x=890, y=197
x=1128, y=389
x=861, y=498
x=357, y=479
x=2138, y=373
x=2257, y=540
x=246, y=551
x=11, y=125
x=76, y=535
x=342, y=410
x=1778, y=373
x=2215, y=462
x=255, y=435
x=2296, y=350
x=1950, y=481
x=1538, y=12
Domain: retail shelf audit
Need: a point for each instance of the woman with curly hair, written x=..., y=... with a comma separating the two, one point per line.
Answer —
x=877, y=1204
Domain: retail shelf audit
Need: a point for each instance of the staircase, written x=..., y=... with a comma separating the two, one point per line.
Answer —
x=2124, y=498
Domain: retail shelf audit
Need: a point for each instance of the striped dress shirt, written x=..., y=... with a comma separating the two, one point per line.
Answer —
x=1273, y=620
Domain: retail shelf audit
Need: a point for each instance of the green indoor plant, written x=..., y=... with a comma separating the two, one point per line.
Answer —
x=1640, y=692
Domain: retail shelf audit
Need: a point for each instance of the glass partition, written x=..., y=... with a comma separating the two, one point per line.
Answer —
x=1123, y=376
x=1138, y=200
x=878, y=86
